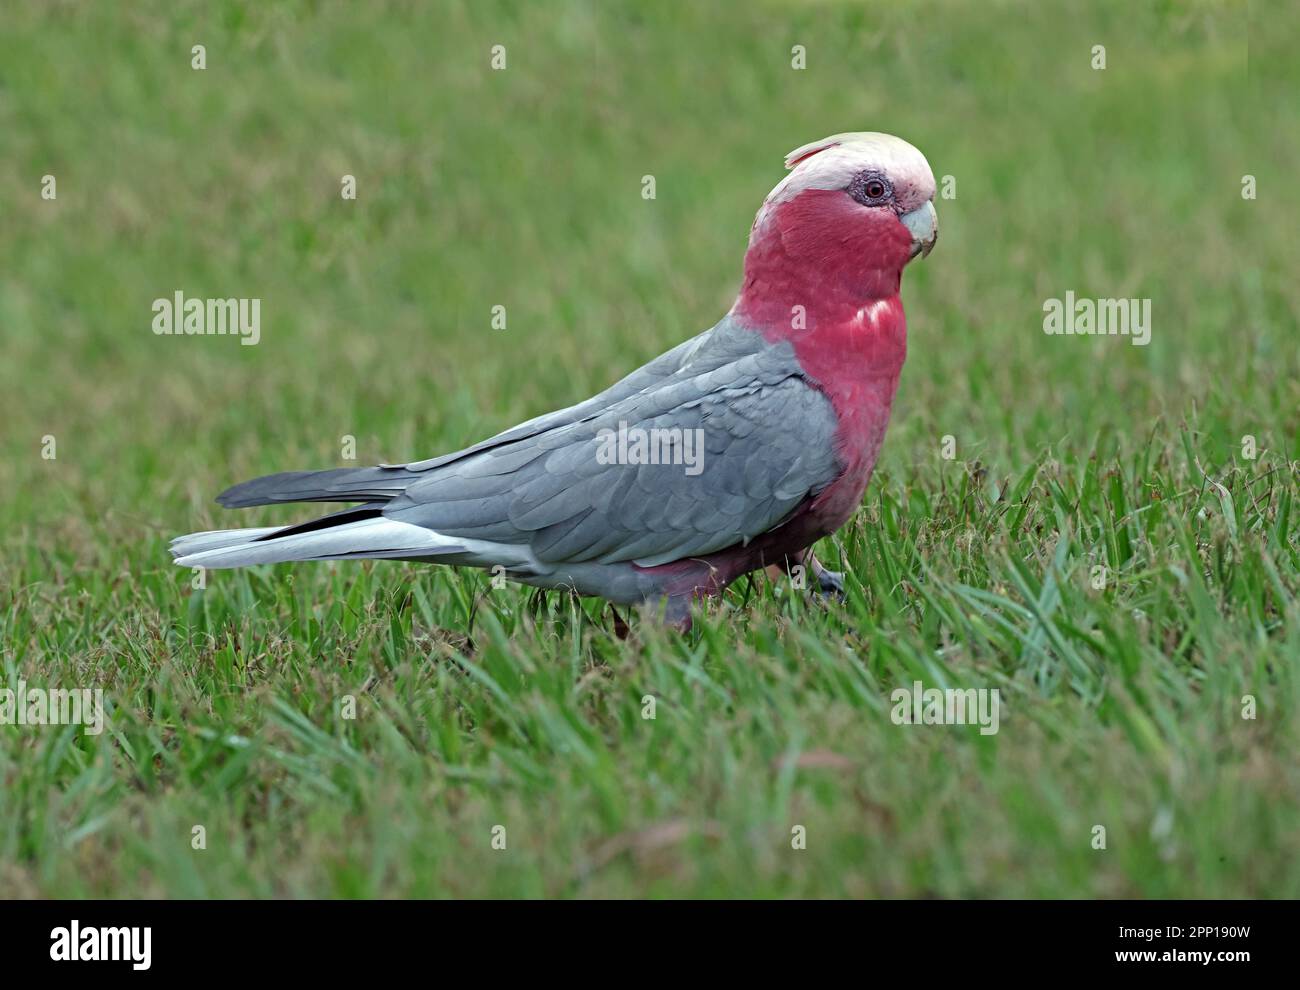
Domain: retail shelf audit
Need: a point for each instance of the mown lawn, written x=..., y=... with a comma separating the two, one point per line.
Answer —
x=1101, y=547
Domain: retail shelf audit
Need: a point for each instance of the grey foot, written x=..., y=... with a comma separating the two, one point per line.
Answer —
x=830, y=584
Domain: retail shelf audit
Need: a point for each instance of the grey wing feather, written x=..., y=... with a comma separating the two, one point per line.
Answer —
x=644, y=377
x=387, y=481
x=768, y=444
x=341, y=485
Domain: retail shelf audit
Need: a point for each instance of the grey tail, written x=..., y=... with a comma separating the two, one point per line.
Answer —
x=367, y=484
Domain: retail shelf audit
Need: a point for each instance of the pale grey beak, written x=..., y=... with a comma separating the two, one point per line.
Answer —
x=923, y=222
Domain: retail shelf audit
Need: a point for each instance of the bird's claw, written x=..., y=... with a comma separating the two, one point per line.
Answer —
x=830, y=585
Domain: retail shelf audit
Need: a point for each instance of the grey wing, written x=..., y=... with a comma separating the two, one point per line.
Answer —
x=761, y=442
x=723, y=344
x=387, y=481
x=647, y=376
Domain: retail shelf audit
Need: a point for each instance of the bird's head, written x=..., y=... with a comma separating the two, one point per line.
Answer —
x=854, y=210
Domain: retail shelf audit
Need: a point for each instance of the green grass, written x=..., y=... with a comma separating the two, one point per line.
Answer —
x=477, y=708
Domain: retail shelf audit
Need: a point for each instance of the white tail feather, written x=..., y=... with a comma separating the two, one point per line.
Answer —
x=375, y=538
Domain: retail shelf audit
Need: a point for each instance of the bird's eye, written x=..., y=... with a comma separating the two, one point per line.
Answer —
x=870, y=188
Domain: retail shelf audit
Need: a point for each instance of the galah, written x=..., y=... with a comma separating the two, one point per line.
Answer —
x=787, y=399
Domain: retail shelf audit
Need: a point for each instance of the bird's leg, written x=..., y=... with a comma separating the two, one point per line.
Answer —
x=621, y=629
x=673, y=611
x=791, y=564
x=670, y=611
x=828, y=583
x=672, y=605
x=677, y=614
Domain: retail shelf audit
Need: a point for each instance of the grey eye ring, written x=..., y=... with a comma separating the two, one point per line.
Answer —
x=871, y=189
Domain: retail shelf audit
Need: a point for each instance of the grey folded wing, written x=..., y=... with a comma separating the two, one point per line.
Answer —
x=753, y=440
x=647, y=376
x=387, y=481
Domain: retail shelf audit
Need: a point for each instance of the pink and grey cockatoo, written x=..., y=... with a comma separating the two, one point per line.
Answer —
x=790, y=394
